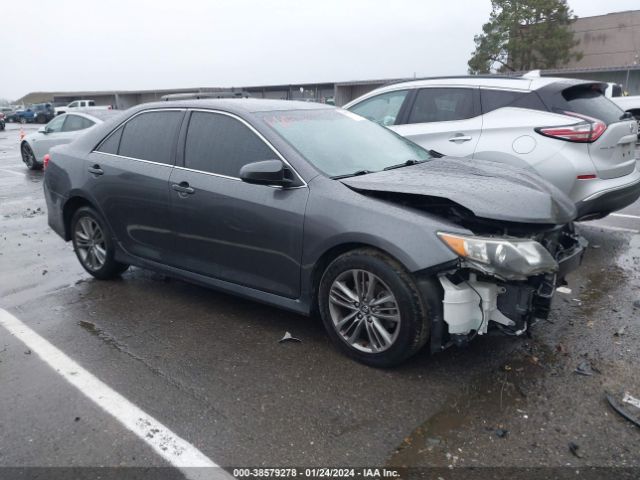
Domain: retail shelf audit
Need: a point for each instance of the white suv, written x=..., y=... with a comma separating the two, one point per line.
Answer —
x=565, y=130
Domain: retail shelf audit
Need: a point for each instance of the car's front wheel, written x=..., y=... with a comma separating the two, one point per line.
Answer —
x=29, y=158
x=94, y=246
x=372, y=308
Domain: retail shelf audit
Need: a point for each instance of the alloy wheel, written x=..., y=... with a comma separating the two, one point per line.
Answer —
x=28, y=156
x=364, y=311
x=90, y=244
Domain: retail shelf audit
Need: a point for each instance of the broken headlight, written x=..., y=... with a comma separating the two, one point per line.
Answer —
x=511, y=259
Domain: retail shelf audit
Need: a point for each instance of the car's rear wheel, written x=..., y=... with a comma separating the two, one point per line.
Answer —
x=29, y=158
x=372, y=308
x=94, y=246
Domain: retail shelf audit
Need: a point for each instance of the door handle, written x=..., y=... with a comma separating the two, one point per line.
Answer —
x=96, y=170
x=460, y=137
x=184, y=188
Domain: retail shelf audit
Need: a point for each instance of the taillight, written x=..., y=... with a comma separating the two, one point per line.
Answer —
x=45, y=161
x=585, y=132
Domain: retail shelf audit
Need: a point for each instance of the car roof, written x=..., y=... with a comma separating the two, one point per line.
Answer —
x=487, y=81
x=237, y=105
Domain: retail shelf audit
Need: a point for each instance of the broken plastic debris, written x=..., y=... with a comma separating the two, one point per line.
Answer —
x=584, y=368
x=574, y=448
x=288, y=338
x=566, y=290
x=627, y=398
x=622, y=411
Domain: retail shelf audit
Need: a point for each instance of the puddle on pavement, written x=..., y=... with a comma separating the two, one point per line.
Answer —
x=434, y=442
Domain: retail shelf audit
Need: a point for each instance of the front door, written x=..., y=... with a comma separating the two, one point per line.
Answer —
x=242, y=233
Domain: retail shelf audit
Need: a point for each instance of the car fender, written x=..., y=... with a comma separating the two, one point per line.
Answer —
x=405, y=233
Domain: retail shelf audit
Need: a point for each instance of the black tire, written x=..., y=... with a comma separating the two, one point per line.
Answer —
x=110, y=268
x=414, y=322
x=28, y=157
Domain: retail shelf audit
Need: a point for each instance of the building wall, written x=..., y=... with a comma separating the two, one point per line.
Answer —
x=611, y=40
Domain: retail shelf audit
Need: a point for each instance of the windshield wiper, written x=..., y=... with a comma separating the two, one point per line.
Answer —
x=354, y=174
x=408, y=163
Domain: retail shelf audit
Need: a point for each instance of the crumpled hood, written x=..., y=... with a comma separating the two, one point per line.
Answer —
x=489, y=189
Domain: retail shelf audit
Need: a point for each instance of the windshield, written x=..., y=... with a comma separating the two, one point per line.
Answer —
x=340, y=143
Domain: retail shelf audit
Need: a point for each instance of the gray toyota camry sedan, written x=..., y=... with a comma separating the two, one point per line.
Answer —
x=316, y=210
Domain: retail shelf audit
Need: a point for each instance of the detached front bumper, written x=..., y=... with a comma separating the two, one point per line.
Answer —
x=474, y=302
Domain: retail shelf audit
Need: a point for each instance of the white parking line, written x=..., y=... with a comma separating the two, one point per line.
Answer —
x=625, y=215
x=175, y=450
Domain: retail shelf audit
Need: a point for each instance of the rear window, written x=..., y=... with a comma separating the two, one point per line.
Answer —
x=588, y=100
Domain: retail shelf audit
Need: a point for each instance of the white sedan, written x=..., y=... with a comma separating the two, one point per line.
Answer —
x=62, y=129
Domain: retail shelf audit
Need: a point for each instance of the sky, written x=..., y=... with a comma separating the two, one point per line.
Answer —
x=69, y=45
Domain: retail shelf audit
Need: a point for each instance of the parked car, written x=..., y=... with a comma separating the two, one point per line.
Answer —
x=313, y=209
x=62, y=129
x=9, y=113
x=85, y=105
x=35, y=113
x=565, y=130
x=631, y=105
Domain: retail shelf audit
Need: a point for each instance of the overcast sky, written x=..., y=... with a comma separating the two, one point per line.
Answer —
x=66, y=45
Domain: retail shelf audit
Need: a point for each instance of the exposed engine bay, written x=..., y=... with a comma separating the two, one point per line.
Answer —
x=481, y=293
x=477, y=299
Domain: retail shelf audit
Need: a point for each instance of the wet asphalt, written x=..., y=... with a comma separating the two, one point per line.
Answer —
x=209, y=366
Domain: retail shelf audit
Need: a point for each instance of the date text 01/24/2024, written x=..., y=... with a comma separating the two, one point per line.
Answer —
x=320, y=472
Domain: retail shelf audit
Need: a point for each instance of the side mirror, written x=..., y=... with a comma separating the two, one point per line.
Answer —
x=267, y=172
x=44, y=130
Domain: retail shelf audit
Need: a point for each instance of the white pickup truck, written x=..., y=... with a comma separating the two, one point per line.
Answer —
x=83, y=104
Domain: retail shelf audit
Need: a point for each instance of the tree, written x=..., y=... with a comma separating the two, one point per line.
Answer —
x=525, y=35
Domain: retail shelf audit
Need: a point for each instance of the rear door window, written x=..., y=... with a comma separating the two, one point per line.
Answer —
x=76, y=122
x=443, y=105
x=494, y=99
x=222, y=145
x=151, y=136
x=382, y=109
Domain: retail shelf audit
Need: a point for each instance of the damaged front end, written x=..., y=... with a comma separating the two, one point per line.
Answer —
x=502, y=281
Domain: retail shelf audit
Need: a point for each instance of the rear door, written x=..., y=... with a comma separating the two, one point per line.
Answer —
x=242, y=233
x=613, y=153
x=445, y=119
x=128, y=175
